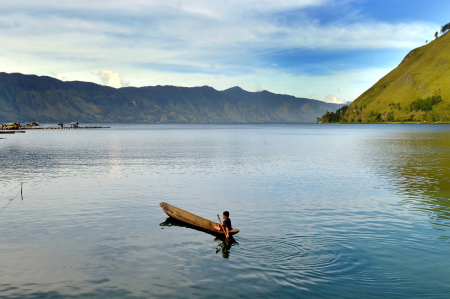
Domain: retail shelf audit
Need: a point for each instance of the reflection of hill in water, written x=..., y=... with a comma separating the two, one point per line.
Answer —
x=417, y=165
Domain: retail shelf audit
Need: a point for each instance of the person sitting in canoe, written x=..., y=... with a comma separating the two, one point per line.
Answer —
x=226, y=224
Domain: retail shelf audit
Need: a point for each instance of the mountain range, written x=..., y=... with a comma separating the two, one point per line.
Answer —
x=46, y=99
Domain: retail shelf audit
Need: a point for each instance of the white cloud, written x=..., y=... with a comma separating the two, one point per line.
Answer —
x=332, y=99
x=216, y=43
x=112, y=79
x=141, y=6
x=232, y=27
x=58, y=76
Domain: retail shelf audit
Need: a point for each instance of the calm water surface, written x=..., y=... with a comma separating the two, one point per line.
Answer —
x=325, y=211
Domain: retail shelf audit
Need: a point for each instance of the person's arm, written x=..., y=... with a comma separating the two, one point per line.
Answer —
x=227, y=232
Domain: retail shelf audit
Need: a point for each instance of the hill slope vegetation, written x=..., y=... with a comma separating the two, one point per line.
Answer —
x=45, y=99
x=417, y=90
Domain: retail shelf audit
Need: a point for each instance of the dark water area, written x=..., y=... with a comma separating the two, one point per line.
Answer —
x=324, y=211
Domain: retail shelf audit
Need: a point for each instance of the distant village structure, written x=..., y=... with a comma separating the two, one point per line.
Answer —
x=33, y=124
x=11, y=126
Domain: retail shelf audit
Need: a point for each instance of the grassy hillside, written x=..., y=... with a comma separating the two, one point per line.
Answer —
x=45, y=99
x=409, y=91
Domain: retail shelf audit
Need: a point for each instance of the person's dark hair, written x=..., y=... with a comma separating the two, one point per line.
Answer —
x=227, y=214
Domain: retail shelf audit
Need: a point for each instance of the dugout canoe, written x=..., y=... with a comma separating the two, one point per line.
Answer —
x=193, y=219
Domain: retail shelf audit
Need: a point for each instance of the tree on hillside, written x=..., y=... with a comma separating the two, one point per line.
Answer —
x=445, y=28
x=436, y=35
x=332, y=117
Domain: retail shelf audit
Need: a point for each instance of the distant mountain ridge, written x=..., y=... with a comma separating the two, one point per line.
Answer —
x=46, y=99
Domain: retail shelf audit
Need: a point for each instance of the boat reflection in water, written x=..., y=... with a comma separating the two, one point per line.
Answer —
x=224, y=245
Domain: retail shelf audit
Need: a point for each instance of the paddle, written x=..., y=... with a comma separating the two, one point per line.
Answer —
x=224, y=231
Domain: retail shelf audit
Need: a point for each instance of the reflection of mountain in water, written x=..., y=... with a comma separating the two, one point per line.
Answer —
x=223, y=245
x=418, y=165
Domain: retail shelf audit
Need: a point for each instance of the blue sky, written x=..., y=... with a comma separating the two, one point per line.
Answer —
x=323, y=49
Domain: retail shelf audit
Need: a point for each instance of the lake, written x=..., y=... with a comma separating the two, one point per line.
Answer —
x=324, y=211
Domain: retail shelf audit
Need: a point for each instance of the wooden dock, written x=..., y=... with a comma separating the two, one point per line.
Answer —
x=64, y=128
x=24, y=129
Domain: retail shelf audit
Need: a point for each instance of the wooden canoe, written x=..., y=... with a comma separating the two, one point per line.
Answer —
x=193, y=219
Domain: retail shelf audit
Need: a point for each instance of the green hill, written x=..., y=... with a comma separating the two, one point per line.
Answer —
x=417, y=90
x=44, y=99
